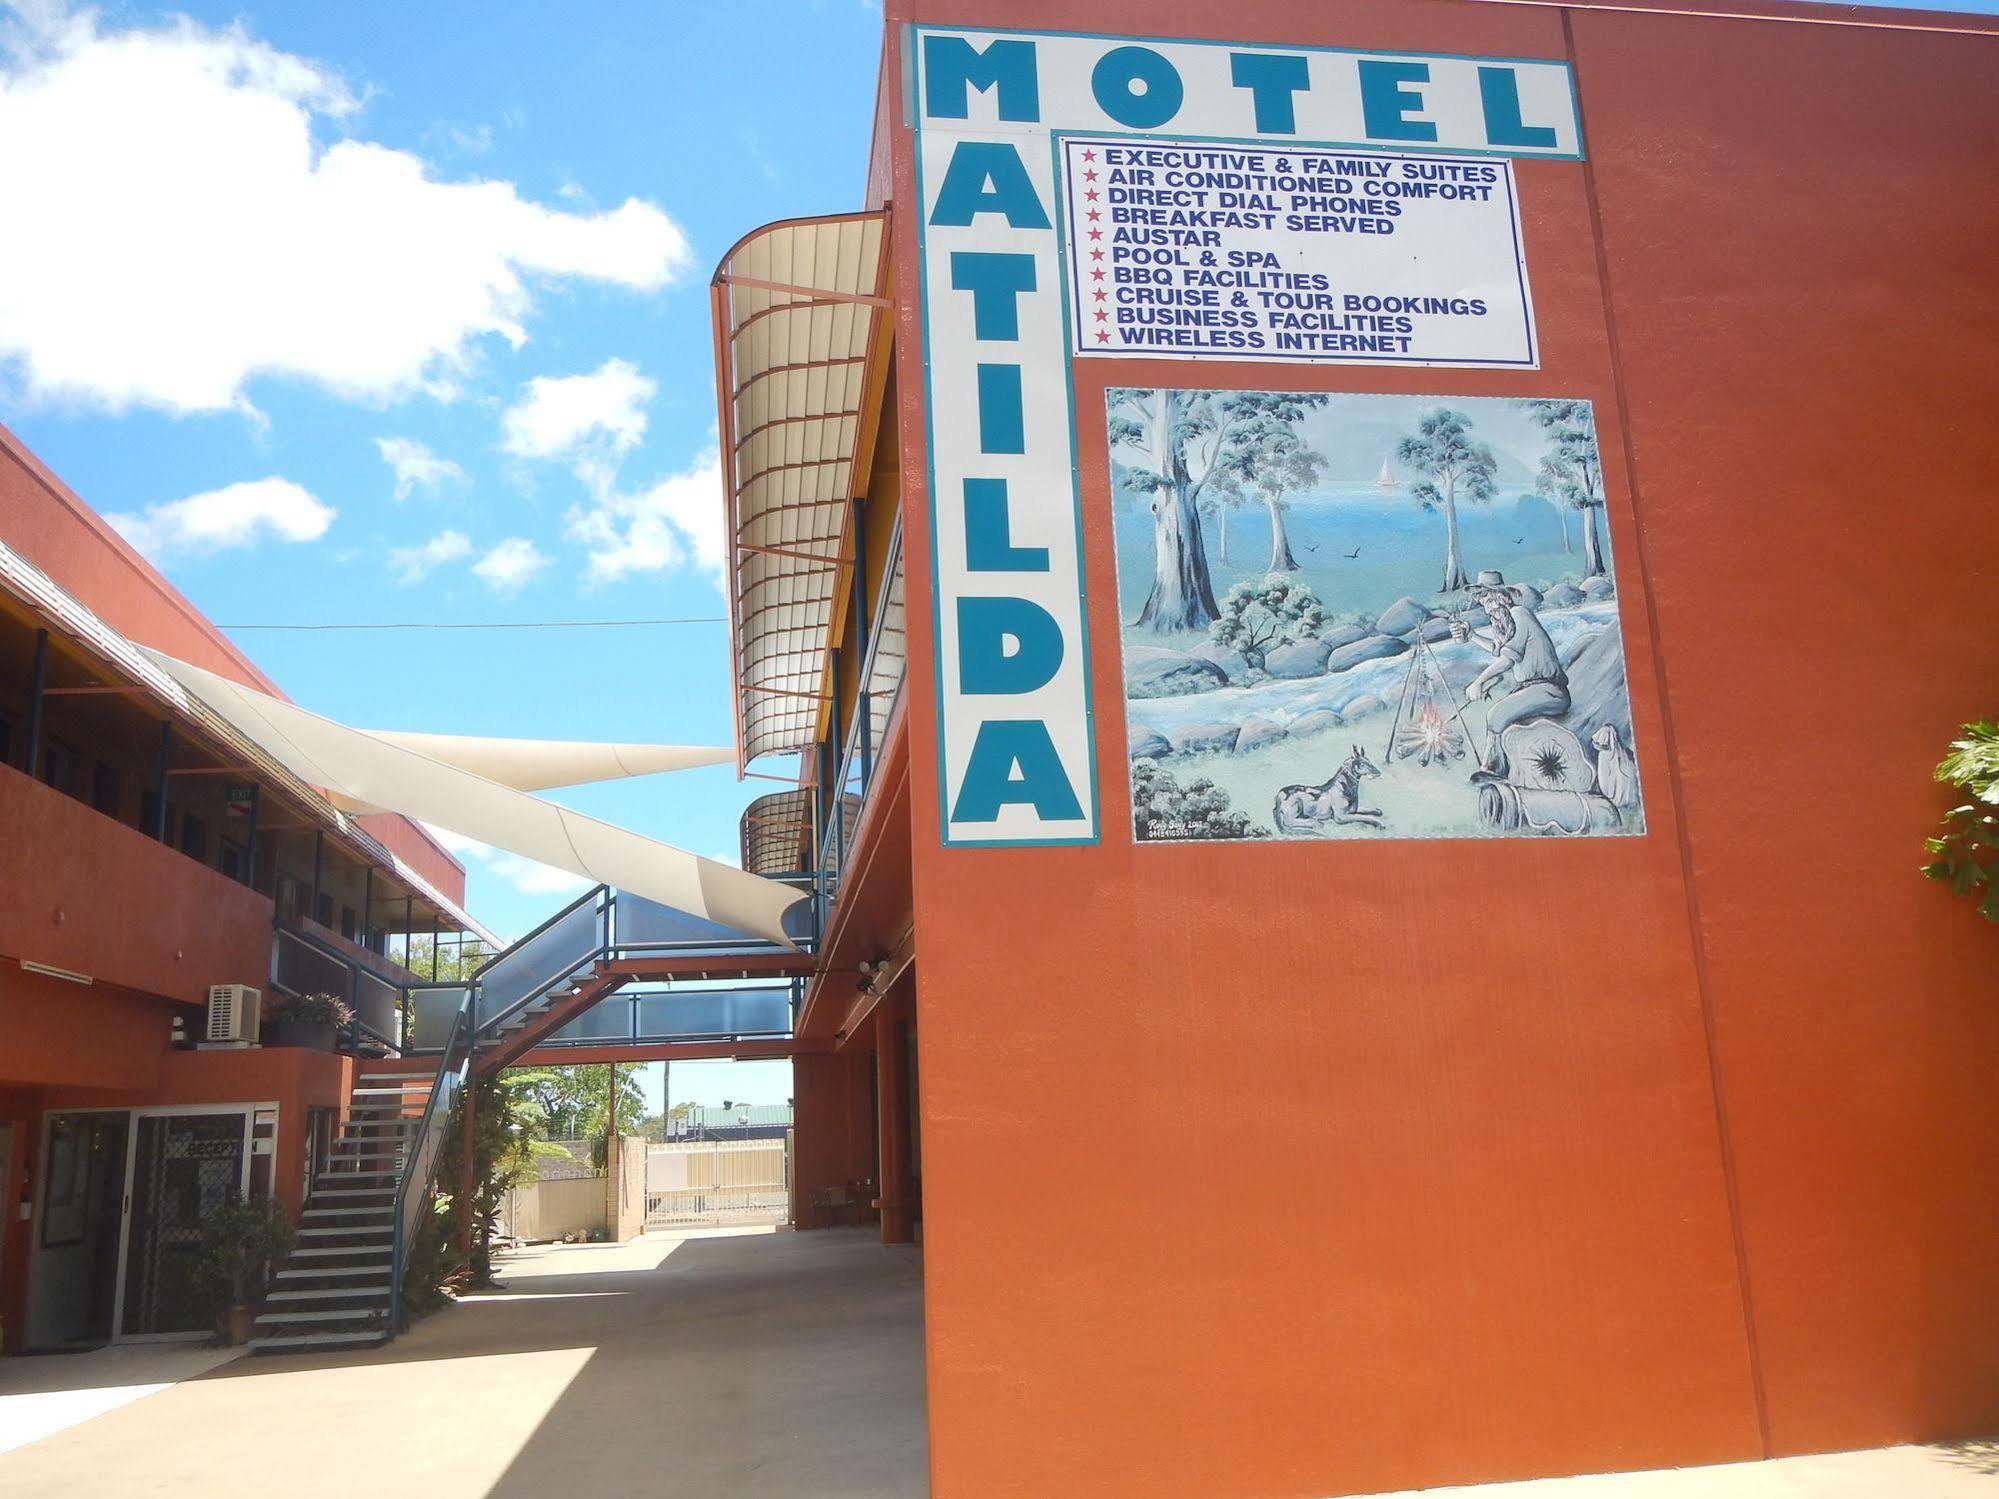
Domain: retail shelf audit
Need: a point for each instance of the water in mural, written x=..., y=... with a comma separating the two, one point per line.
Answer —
x=1368, y=616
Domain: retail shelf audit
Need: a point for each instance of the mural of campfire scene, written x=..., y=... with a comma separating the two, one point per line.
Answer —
x=1368, y=616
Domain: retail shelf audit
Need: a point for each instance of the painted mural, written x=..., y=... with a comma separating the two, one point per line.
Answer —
x=1368, y=616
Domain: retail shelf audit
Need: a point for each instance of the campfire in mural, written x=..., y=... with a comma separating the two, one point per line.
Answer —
x=1415, y=593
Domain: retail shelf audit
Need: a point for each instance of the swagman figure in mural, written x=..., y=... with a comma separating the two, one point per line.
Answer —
x=1518, y=644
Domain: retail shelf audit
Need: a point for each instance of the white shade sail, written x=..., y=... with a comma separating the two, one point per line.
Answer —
x=538, y=764
x=397, y=777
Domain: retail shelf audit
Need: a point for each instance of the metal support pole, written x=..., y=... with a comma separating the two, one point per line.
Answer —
x=434, y=946
x=863, y=707
x=469, y=1158
x=409, y=904
x=31, y=752
x=159, y=828
x=368, y=907
x=318, y=861
x=250, y=855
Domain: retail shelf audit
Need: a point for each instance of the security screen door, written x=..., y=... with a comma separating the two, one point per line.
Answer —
x=184, y=1165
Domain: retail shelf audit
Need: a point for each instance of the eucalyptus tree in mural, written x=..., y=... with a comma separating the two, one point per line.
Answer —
x=1572, y=470
x=1456, y=467
x=1177, y=446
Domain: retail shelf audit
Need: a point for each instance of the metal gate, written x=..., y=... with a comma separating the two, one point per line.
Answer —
x=716, y=1182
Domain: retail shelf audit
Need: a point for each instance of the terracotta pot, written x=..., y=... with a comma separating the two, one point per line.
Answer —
x=239, y=1325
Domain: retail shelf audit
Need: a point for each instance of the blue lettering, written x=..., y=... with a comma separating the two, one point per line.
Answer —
x=953, y=67
x=987, y=177
x=995, y=282
x=1385, y=105
x=1006, y=646
x=1271, y=79
x=989, y=544
x=1002, y=421
x=1137, y=87
x=1003, y=745
x=1499, y=93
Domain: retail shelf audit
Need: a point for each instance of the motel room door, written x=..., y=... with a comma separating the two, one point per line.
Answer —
x=183, y=1163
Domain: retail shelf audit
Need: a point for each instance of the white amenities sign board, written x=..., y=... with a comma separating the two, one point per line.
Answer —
x=1185, y=249
x=997, y=117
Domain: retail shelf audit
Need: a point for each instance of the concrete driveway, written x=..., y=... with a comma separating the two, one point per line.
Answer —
x=725, y=1362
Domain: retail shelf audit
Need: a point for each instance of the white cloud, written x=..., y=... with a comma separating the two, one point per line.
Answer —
x=528, y=876
x=414, y=564
x=234, y=516
x=509, y=565
x=677, y=520
x=191, y=233
x=415, y=466
x=598, y=416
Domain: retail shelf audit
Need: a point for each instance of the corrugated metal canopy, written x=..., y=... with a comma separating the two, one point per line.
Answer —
x=802, y=330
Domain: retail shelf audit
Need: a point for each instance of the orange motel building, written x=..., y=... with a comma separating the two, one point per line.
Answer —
x=1364, y=597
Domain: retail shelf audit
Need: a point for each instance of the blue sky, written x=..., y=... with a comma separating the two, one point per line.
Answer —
x=267, y=287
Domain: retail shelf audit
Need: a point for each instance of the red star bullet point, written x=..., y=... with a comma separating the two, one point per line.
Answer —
x=1100, y=294
x=1102, y=316
x=1094, y=214
x=1091, y=195
x=1103, y=337
x=1096, y=234
x=1096, y=255
x=1096, y=275
x=1089, y=156
x=1089, y=176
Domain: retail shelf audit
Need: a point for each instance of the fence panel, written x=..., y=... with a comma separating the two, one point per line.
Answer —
x=717, y=1182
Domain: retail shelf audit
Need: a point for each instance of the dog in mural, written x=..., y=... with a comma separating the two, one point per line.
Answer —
x=1304, y=809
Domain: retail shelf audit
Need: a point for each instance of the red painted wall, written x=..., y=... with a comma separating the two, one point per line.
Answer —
x=42, y=518
x=1540, y=1157
x=834, y=1139
x=82, y=891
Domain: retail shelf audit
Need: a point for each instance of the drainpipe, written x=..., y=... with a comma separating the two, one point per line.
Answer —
x=250, y=859
x=31, y=752
x=318, y=858
x=166, y=757
x=368, y=907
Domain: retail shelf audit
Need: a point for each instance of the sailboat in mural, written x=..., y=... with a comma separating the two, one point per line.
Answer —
x=1384, y=479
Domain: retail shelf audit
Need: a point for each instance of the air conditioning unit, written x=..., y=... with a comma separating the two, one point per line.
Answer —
x=234, y=1012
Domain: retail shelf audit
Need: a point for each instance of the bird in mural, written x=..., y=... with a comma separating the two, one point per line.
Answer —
x=1518, y=539
x=1353, y=554
x=1310, y=546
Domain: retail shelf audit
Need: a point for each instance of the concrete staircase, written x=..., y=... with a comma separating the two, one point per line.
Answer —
x=333, y=1291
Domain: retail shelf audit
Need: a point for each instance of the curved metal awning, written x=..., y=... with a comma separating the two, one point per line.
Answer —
x=802, y=330
x=777, y=833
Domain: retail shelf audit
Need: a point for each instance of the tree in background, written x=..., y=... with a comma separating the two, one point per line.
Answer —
x=1572, y=471
x=1162, y=809
x=1257, y=616
x=1268, y=458
x=574, y=1102
x=1966, y=855
x=1185, y=439
x=1457, y=467
x=454, y=960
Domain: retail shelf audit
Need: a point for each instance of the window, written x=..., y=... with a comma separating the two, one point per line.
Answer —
x=61, y=767
x=347, y=922
x=194, y=837
x=106, y=788
x=6, y=740
x=234, y=861
x=324, y=914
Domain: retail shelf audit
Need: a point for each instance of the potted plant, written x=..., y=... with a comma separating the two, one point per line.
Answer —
x=239, y=1242
x=314, y=1020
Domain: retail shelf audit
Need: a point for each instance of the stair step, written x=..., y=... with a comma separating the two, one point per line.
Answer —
x=382, y=1210
x=365, y=1267
x=328, y=1254
x=349, y=1230
x=335, y=1314
x=388, y=1191
x=310, y=1340
x=335, y=1293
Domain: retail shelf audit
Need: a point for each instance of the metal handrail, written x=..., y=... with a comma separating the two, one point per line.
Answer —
x=420, y=1164
x=356, y=1027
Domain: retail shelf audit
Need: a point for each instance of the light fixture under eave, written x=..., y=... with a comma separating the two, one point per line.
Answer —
x=48, y=971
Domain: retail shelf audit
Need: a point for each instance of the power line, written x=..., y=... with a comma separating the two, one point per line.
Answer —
x=532, y=624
